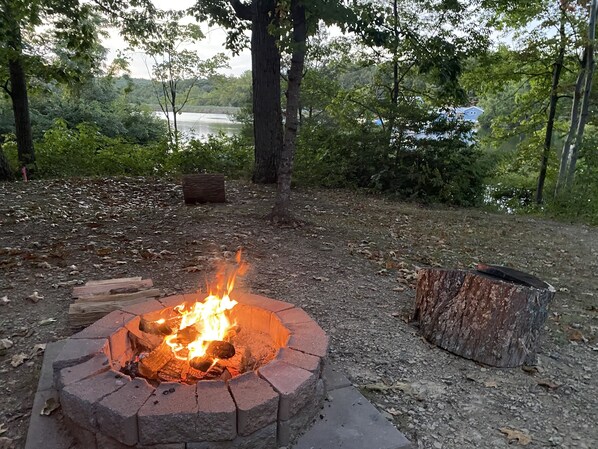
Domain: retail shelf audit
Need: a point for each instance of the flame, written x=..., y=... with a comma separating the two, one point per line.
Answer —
x=206, y=321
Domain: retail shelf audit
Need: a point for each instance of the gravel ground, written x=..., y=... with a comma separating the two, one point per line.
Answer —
x=351, y=266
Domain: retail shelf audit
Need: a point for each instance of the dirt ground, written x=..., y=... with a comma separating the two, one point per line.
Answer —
x=352, y=267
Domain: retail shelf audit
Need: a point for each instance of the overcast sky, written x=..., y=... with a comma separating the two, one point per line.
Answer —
x=212, y=44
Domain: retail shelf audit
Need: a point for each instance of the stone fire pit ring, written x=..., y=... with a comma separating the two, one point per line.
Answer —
x=266, y=408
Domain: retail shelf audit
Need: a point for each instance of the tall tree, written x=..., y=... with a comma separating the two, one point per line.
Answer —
x=176, y=69
x=261, y=17
x=557, y=69
x=69, y=24
x=587, y=73
x=281, y=210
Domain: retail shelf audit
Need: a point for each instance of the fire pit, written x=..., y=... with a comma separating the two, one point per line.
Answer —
x=193, y=372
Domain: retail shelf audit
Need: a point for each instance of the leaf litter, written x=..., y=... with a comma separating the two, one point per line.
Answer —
x=347, y=239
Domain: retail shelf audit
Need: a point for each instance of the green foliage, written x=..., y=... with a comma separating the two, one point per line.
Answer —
x=218, y=154
x=430, y=169
x=84, y=151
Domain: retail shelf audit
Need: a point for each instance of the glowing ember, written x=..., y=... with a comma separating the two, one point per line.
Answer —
x=205, y=321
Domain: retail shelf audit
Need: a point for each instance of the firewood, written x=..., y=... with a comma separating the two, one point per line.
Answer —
x=172, y=371
x=156, y=328
x=150, y=365
x=83, y=314
x=220, y=350
x=108, y=296
x=202, y=364
x=493, y=317
x=104, y=287
x=186, y=335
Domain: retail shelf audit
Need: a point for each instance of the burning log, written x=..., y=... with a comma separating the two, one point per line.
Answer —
x=202, y=364
x=173, y=370
x=220, y=350
x=186, y=335
x=160, y=327
x=493, y=315
x=155, y=360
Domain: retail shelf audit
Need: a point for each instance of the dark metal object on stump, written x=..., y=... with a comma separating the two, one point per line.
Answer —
x=203, y=188
x=493, y=315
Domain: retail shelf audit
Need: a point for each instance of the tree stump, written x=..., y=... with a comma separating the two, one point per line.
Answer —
x=493, y=315
x=203, y=188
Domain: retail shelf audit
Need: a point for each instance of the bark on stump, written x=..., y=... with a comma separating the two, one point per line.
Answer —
x=203, y=188
x=492, y=315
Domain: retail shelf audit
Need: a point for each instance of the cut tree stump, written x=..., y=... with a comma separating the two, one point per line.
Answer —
x=492, y=315
x=203, y=188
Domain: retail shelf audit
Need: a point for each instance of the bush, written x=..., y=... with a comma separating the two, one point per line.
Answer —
x=83, y=151
x=219, y=154
x=440, y=169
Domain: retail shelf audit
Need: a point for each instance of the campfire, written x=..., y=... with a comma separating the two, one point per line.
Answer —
x=201, y=340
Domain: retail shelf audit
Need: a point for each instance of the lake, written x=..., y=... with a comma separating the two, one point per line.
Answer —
x=200, y=125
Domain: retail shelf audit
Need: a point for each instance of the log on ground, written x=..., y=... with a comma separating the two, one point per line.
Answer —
x=482, y=317
x=203, y=188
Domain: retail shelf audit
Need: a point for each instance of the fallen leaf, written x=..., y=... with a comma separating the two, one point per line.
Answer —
x=575, y=335
x=35, y=297
x=491, y=384
x=50, y=406
x=6, y=443
x=193, y=269
x=516, y=435
x=548, y=384
x=39, y=349
x=3, y=428
x=47, y=321
x=530, y=369
x=380, y=387
x=5, y=343
x=321, y=278
x=18, y=359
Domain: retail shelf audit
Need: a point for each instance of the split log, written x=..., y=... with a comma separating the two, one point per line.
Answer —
x=160, y=327
x=109, y=286
x=150, y=365
x=84, y=314
x=220, y=350
x=202, y=363
x=98, y=298
x=493, y=315
x=203, y=188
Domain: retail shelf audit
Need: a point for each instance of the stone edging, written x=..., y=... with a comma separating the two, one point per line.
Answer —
x=263, y=409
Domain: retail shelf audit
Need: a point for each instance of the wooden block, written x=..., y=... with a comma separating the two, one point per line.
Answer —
x=107, y=288
x=147, y=294
x=85, y=313
x=114, y=281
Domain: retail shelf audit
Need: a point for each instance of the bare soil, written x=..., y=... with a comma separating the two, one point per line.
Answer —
x=352, y=267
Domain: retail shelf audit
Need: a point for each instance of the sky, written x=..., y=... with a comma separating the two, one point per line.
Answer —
x=211, y=45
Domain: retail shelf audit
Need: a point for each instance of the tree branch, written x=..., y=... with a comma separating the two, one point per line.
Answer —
x=242, y=10
x=6, y=89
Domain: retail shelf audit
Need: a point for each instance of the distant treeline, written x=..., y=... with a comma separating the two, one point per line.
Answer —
x=219, y=94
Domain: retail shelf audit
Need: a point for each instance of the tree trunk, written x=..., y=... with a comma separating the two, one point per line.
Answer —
x=6, y=173
x=482, y=316
x=267, y=115
x=554, y=97
x=585, y=105
x=281, y=212
x=571, y=135
x=19, y=97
